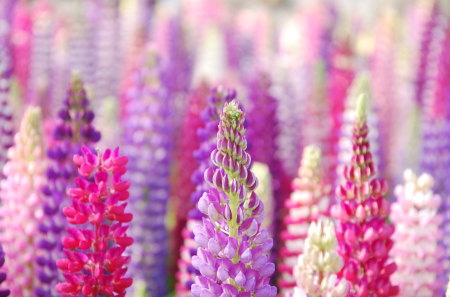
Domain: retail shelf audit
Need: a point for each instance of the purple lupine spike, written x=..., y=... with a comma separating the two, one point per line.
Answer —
x=435, y=156
x=21, y=204
x=207, y=136
x=148, y=136
x=3, y=292
x=261, y=120
x=427, y=52
x=262, y=134
x=233, y=253
x=73, y=131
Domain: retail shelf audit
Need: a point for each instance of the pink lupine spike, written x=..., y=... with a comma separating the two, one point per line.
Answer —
x=364, y=240
x=95, y=264
x=307, y=203
x=416, y=242
x=22, y=200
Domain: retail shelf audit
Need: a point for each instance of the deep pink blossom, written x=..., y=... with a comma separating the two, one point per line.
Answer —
x=95, y=264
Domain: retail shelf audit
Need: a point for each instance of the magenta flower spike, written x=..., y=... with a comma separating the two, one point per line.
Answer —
x=233, y=253
x=21, y=206
x=364, y=236
x=416, y=250
x=309, y=200
x=95, y=264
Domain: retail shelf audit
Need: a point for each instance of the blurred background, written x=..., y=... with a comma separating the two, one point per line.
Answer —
x=307, y=59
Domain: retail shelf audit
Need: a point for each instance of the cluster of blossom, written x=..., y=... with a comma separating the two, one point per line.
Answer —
x=233, y=253
x=364, y=236
x=72, y=132
x=95, y=264
x=210, y=116
x=21, y=206
x=309, y=200
x=317, y=268
x=148, y=143
x=416, y=251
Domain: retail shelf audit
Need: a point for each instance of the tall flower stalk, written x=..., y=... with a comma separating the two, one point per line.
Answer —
x=208, y=137
x=95, y=264
x=317, y=268
x=309, y=200
x=263, y=132
x=363, y=234
x=416, y=250
x=73, y=131
x=21, y=207
x=233, y=253
x=148, y=136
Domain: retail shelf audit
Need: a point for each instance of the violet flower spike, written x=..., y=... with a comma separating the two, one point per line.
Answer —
x=95, y=264
x=233, y=253
x=73, y=131
x=21, y=204
x=148, y=138
x=208, y=137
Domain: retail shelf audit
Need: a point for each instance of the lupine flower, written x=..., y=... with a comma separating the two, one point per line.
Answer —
x=364, y=236
x=262, y=122
x=72, y=132
x=148, y=136
x=3, y=292
x=428, y=52
x=435, y=150
x=233, y=253
x=21, y=206
x=317, y=268
x=309, y=200
x=263, y=132
x=359, y=85
x=416, y=250
x=207, y=135
x=95, y=264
